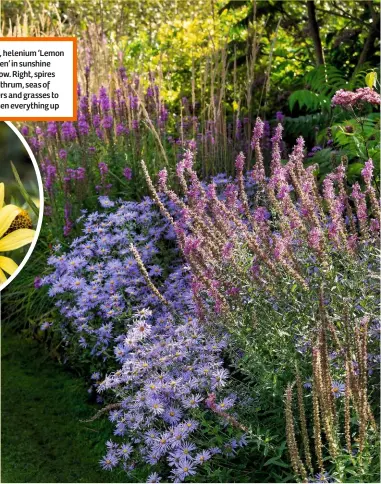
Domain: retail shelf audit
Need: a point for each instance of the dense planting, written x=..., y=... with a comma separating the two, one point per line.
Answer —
x=210, y=254
x=249, y=264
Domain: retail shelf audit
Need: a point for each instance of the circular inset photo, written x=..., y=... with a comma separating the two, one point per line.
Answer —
x=21, y=202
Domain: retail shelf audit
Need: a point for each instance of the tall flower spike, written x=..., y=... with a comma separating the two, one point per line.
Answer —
x=276, y=153
x=144, y=272
x=367, y=174
x=297, y=155
x=316, y=409
x=296, y=461
x=362, y=337
x=347, y=407
x=324, y=395
x=163, y=178
x=154, y=194
x=361, y=210
x=258, y=172
x=239, y=164
x=303, y=422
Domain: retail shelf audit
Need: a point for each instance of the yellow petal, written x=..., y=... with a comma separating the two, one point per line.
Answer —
x=2, y=277
x=8, y=265
x=16, y=239
x=1, y=195
x=36, y=201
x=7, y=215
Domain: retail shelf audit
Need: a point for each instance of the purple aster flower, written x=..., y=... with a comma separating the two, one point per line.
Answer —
x=323, y=477
x=109, y=462
x=186, y=467
x=226, y=403
x=308, y=384
x=106, y=202
x=186, y=448
x=203, y=456
x=338, y=389
x=193, y=401
x=125, y=451
x=172, y=415
x=219, y=378
x=154, y=477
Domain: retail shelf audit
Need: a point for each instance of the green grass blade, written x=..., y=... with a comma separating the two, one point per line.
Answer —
x=24, y=193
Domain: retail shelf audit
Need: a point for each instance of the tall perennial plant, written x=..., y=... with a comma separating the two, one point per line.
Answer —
x=291, y=272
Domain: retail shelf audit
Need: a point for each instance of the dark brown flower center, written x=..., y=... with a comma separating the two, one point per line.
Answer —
x=21, y=221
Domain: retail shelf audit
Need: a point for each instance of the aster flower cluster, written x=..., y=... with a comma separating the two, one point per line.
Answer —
x=168, y=369
x=170, y=364
x=98, y=280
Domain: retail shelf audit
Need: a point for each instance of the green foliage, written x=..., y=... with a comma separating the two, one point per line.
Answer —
x=210, y=45
x=23, y=191
x=321, y=84
x=309, y=100
x=359, y=136
x=371, y=79
x=43, y=439
x=306, y=125
x=354, y=132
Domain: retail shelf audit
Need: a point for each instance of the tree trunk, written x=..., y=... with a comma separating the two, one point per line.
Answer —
x=372, y=37
x=314, y=32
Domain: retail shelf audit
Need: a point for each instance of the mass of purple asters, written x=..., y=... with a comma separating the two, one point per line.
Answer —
x=169, y=368
x=98, y=280
x=170, y=364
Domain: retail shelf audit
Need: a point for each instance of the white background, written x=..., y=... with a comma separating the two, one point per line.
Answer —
x=62, y=83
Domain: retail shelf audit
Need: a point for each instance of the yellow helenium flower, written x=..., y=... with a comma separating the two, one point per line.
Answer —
x=15, y=232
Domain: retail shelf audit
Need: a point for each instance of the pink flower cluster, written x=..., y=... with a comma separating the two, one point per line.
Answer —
x=349, y=99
